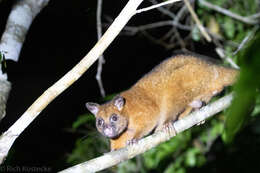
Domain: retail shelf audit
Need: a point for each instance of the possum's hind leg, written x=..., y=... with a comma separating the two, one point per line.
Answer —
x=195, y=104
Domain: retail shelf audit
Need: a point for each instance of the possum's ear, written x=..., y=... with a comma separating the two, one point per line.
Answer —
x=92, y=107
x=119, y=102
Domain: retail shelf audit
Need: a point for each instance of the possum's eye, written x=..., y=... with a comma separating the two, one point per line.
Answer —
x=113, y=118
x=100, y=122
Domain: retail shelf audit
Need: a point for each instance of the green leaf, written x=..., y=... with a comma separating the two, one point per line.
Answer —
x=256, y=110
x=128, y=166
x=245, y=90
x=154, y=157
x=190, y=159
x=88, y=148
x=195, y=34
x=201, y=160
x=229, y=27
x=109, y=97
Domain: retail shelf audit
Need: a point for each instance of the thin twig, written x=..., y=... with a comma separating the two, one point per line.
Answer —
x=196, y=19
x=226, y=12
x=222, y=55
x=156, y=6
x=254, y=16
x=163, y=10
x=135, y=29
x=158, y=41
x=248, y=37
x=101, y=59
x=115, y=157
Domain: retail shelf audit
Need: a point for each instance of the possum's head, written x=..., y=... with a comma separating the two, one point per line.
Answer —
x=110, y=120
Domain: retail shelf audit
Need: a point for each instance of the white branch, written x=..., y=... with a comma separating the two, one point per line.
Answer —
x=163, y=10
x=3, y=76
x=17, y=26
x=115, y=157
x=7, y=138
x=157, y=5
x=5, y=88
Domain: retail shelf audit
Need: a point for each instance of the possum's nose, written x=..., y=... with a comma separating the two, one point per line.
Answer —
x=109, y=132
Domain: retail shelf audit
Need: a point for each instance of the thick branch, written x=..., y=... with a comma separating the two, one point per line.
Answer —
x=5, y=88
x=17, y=26
x=115, y=157
x=8, y=137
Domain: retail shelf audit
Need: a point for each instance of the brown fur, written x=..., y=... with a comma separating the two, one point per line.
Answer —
x=164, y=94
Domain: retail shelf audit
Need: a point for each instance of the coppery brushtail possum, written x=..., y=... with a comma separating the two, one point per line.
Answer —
x=170, y=91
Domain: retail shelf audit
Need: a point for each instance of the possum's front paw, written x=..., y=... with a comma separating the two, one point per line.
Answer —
x=168, y=128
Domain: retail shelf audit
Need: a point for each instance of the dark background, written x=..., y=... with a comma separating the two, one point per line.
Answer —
x=60, y=36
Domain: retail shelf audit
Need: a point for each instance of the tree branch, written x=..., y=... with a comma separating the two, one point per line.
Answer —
x=18, y=24
x=115, y=157
x=135, y=29
x=248, y=37
x=101, y=59
x=5, y=88
x=157, y=6
x=222, y=55
x=7, y=138
x=196, y=19
x=163, y=10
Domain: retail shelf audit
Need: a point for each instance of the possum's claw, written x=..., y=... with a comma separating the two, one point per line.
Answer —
x=132, y=142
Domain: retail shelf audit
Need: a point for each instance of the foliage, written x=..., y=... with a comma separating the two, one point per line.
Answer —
x=225, y=27
x=246, y=91
x=90, y=146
